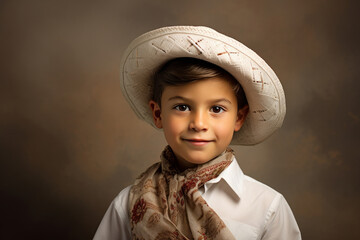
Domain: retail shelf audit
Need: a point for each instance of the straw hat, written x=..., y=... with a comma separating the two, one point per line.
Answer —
x=147, y=53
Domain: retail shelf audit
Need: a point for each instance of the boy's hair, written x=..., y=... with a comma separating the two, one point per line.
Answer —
x=181, y=71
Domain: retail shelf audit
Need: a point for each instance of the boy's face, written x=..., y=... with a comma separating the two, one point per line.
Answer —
x=198, y=119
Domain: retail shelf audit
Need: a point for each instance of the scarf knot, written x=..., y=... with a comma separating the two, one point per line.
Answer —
x=165, y=203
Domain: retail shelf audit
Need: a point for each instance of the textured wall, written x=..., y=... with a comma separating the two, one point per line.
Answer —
x=69, y=142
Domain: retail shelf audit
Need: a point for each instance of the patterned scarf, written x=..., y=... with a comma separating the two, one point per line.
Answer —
x=166, y=204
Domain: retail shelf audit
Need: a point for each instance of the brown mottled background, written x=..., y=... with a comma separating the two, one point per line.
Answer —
x=69, y=142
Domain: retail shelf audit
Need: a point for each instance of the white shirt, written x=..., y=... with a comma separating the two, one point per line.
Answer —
x=250, y=209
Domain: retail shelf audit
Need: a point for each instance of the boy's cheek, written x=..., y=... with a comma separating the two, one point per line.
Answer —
x=225, y=133
x=173, y=128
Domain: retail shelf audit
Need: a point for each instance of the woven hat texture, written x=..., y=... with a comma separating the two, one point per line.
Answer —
x=263, y=90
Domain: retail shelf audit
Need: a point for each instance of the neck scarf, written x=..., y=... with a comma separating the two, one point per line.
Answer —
x=165, y=203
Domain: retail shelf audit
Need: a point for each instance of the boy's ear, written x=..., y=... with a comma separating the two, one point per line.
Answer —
x=156, y=113
x=241, y=116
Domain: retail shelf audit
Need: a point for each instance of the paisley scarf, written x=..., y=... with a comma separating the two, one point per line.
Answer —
x=165, y=203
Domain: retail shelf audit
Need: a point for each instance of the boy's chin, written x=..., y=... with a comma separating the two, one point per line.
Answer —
x=193, y=160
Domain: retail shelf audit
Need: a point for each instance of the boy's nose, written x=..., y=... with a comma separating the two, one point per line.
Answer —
x=198, y=121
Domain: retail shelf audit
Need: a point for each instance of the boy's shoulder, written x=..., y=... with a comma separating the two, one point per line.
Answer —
x=254, y=189
x=245, y=185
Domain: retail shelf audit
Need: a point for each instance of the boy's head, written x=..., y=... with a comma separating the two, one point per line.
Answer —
x=226, y=58
x=199, y=106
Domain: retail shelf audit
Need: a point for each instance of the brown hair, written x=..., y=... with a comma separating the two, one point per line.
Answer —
x=180, y=71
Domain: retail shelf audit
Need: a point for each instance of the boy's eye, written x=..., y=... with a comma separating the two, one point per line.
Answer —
x=217, y=109
x=182, y=108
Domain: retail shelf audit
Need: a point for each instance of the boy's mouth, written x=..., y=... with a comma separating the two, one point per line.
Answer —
x=196, y=141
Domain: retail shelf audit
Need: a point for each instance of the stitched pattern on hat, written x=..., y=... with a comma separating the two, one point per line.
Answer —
x=195, y=44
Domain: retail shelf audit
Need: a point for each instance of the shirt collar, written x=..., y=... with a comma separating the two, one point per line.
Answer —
x=233, y=176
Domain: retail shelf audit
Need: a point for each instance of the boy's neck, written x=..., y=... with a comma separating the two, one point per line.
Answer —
x=184, y=165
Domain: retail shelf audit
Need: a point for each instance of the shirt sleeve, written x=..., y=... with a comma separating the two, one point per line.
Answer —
x=280, y=223
x=115, y=223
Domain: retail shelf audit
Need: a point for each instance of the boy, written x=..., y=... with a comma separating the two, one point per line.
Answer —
x=206, y=91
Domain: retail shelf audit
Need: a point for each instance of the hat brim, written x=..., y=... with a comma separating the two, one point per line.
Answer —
x=263, y=90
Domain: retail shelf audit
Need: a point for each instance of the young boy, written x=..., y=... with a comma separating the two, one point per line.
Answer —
x=206, y=91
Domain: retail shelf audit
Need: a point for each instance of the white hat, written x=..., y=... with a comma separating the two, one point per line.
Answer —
x=263, y=90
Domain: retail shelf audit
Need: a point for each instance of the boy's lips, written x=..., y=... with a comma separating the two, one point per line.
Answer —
x=197, y=141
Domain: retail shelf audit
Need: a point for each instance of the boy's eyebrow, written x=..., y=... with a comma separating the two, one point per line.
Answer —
x=223, y=100
x=189, y=100
x=178, y=98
